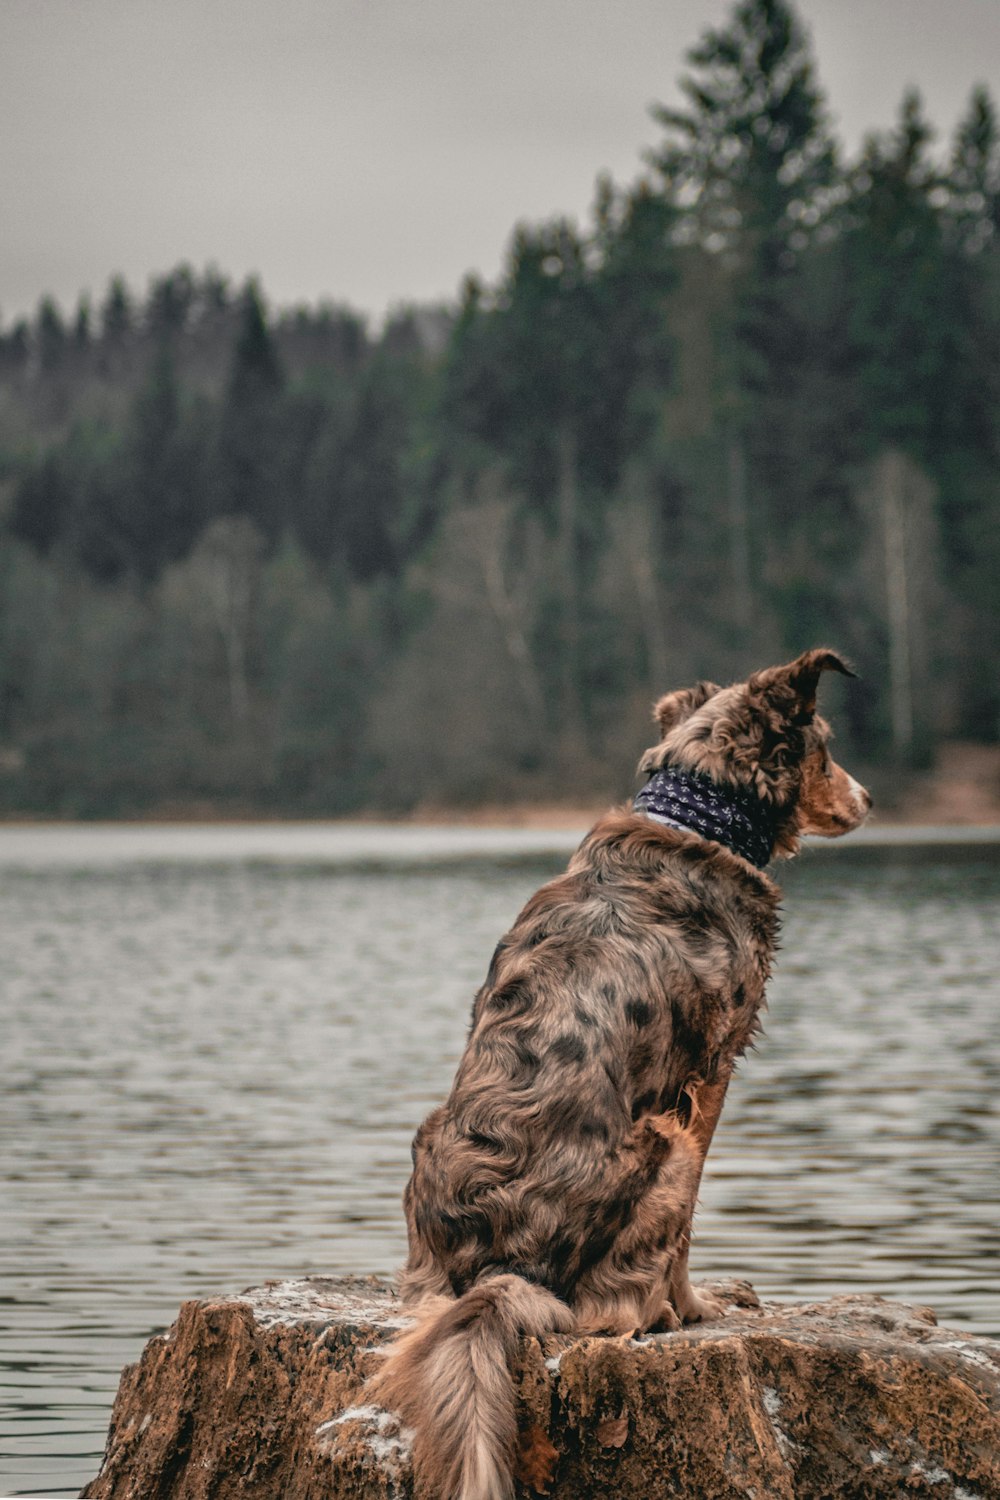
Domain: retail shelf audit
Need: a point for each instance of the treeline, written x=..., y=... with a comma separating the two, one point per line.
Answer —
x=278, y=561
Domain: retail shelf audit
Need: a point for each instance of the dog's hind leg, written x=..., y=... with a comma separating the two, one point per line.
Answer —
x=627, y=1290
x=691, y=1306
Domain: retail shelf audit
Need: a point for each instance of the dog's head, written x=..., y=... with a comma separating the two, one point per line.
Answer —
x=765, y=734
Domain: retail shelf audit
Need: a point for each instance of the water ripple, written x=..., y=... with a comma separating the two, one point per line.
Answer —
x=213, y=1072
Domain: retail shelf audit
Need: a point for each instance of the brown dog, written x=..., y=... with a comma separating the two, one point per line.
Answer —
x=554, y=1190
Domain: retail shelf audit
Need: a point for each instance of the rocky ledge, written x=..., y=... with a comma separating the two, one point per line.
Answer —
x=259, y=1397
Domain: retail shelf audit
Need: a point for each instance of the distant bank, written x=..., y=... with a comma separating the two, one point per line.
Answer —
x=961, y=792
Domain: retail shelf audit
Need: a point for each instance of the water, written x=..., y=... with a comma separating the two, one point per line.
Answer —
x=217, y=1044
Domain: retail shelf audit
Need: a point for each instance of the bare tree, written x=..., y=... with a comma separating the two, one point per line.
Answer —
x=632, y=560
x=219, y=583
x=899, y=499
x=486, y=569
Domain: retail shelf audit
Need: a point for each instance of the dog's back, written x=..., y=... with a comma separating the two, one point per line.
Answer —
x=619, y=984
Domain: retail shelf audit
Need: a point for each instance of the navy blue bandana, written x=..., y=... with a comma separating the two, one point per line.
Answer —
x=730, y=815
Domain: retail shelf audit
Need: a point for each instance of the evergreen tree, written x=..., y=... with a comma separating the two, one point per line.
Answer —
x=907, y=318
x=51, y=337
x=751, y=165
x=973, y=182
x=170, y=304
x=559, y=377
x=42, y=503
x=82, y=331
x=751, y=158
x=570, y=352
x=72, y=499
x=967, y=470
x=116, y=312
x=164, y=473
x=15, y=351
x=117, y=318
x=368, y=497
x=248, y=477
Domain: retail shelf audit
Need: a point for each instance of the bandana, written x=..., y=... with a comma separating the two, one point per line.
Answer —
x=730, y=815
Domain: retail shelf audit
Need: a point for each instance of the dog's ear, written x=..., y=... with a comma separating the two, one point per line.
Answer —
x=793, y=687
x=674, y=708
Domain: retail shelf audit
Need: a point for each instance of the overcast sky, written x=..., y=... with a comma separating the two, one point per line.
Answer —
x=373, y=151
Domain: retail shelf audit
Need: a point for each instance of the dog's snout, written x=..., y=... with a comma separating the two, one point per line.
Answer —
x=862, y=797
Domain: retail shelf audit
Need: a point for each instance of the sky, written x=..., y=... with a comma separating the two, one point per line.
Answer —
x=372, y=152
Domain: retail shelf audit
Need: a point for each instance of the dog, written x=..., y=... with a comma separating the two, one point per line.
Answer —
x=554, y=1191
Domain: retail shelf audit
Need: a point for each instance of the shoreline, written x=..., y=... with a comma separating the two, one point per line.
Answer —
x=962, y=791
x=532, y=819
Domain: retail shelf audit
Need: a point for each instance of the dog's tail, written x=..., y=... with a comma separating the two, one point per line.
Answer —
x=449, y=1379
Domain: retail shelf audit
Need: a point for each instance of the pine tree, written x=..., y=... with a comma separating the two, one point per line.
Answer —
x=170, y=303
x=905, y=323
x=750, y=159
x=51, y=337
x=248, y=477
x=117, y=312
x=82, y=332
x=117, y=323
x=973, y=182
x=370, y=520
x=750, y=164
x=164, y=473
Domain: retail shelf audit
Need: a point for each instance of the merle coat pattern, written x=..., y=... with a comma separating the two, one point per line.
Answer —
x=554, y=1189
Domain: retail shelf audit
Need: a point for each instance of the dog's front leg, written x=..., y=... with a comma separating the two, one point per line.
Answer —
x=692, y=1306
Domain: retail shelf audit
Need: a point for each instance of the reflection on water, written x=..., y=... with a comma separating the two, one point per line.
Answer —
x=213, y=1071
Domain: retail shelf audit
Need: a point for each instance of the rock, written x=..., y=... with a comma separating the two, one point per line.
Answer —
x=259, y=1397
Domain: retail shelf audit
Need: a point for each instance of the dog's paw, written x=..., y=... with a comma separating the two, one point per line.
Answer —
x=699, y=1306
x=667, y=1322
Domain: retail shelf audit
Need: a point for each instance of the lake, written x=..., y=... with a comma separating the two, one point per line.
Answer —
x=217, y=1043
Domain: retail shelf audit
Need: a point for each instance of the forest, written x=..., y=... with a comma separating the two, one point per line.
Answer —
x=276, y=561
